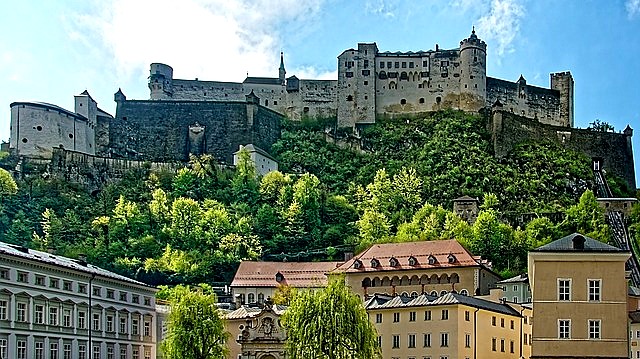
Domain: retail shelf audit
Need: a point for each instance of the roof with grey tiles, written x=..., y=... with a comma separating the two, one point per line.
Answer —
x=577, y=242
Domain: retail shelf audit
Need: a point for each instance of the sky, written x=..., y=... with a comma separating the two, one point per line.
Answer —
x=53, y=50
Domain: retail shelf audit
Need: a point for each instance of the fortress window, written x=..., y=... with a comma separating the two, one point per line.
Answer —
x=366, y=72
x=366, y=63
x=397, y=64
x=476, y=85
x=349, y=74
x=266, y=102
x=421, y=100
x=275, y=103
x=403, y=101
x=411, y=65
x=305, y=110
x=425, y=63
x=350, y=98
x=366, y=83
x=404, y=64
x=438, y=99
x=24, y=140
x=39, y=128
x=389, y=64
x=475, y=59
x=205, y=94
x=444, y=63
x=71, y=135
x=382, y=64
x=465, y=85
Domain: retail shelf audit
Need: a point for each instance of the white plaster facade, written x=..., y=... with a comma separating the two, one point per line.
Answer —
x=44, y=309
x=261, y=159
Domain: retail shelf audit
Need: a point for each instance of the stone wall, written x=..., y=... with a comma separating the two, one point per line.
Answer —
x=160, y=130
x=509, y=129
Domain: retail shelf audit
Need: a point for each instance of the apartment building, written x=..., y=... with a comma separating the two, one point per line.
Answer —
x=449, y=327
x=579, y=298
x=516, y=289
x=53, y=307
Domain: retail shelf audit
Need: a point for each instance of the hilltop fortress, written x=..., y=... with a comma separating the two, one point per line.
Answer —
x=183, y=117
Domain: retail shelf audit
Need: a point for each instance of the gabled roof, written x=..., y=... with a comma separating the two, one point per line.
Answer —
x=465, y=199
x=634, y=316
x=245, y=312
x=576, y=242
x=253, y=148
x=386, y=302
x=294, y=274
x=64, y=262
x=521, y=278
x=421, y=251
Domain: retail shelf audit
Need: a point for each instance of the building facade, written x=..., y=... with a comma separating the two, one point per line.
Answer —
x=256, y=332
x=261, y=159
x=52, y=307
x=516, y=289
x=414, y=268
x=579, y=299
x=451, y=326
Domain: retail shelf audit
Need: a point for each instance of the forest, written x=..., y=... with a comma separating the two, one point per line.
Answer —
x=394, y=181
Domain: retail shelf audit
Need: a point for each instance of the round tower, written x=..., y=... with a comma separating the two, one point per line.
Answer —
x=473, y=73
x=160, y=81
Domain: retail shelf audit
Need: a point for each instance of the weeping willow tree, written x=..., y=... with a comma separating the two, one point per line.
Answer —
x=195, y=327
x=330, y=323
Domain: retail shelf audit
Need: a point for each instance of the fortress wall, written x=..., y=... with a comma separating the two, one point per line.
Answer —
x=159, y=130
x=37, y=128
x=207, y=90
x=615, y=149
x=535, y=102
x=316, y=98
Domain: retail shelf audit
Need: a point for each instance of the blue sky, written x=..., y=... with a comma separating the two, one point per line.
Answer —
x=52, y=50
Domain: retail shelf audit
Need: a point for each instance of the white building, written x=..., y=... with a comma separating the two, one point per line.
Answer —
x=44, y=309
x=261, y=159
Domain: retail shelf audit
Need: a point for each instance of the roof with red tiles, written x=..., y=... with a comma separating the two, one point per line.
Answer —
x=294, y=274
x=410, y=256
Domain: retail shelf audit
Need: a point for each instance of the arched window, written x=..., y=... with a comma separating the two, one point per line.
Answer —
x=464, y=292
x=443, y=293
x=350, y=98
x=438, y=99
x=432, y=259
x=251, y=298
x=403, y=101
x=382, y=75
x=434, y=293
x=357, y=264
x=421, y=100
x=414, y=294
x=451, y=258
x=260, y=298
x=375, y=263
x=413, y=261
x=393, y=262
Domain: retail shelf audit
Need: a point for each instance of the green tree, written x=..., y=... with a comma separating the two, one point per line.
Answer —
x=195, y=327
x=8, y=186
x=244, y=185
x=330, y=323
x=587, y=217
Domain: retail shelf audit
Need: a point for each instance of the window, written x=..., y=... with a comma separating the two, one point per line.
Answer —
x=382, y=64
x=54, y=283
x=502, y=322
x=3, y=348
x=96, y=321
x=511, y=346
x=123, y=325
x=135, y=354
x=467, y=340
x=82, y=320
x=427, y=315
x=512, y=325
x=39, y=280
x=147, y=353
x=594, y=290
x=66, y=285
x=96, y=352
x=21, y=312
x=493, y=321
x=444, y=339
x=493, y=344
x=66, y=349
x=564, y=328
x=378, y=317
x=396, y=341
x=366, y=72
x=594, y=328
x=260, y=298
x=502, y=345
x=396, y=317
x=403, y=101
x=109, y=352
x=123, y=352
x=396, y=64
x=110, y=323
x=466, y=315
x=96, y=292
x=388, y=64
x=53, y=316
x=349, y=74
x=21, y=349
x=412, y=316
x=564, y=289
x=82, y=288
x=82, y=351
x=110, y=294
x=66, y=318
x=427, y=340
x=147, y=328
x=4, y=273
x=39, y=314
x=412, y=340
x=39, y=350
x=53, y=350
x=147, y=301
x=3, y=309
x=134, y=327
x=23, y=277
x=445, y=314
x=515, y=299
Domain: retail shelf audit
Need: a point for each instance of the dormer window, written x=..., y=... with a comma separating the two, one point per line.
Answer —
x=451, y=258
x=393, y=262
x=279, y=277
x=357, y=264
x=432, y=259
x=375, y=263
x=413, y=261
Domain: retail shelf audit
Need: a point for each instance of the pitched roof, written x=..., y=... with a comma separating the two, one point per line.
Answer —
x=521, y=278
x=466, y=198
x=386, y=302
x=262, y=80
x=576, y=242
x=294, y=274
x=635, y=316
x=402, y=252
x=253, y=148
x=60, y=261
x=250, y=312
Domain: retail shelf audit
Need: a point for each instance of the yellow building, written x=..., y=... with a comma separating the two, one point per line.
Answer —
x=413, y=268
x=579, y=299
x=256, y=333
x=451, y=326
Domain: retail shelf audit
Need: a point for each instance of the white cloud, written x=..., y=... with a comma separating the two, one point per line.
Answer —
x=381, y=7
x=633, y=8
x=501, y=24
x=209, y=39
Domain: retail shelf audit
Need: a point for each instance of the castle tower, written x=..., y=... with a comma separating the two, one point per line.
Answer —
x=282, y=72
x=563, y=82
x=473, y=73
x=161, y=82
x=356, y=85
